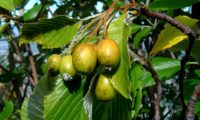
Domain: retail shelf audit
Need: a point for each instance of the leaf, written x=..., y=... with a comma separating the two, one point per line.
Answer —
x=10, y=4
x=7, y=110
x=30, y=30
x=3, y=27
x=184, y=44
x=135, y=28
x=32, y=13
x=141, y=34
x=54, y=38
x=135, y=74
x=171, y=4
x=24, y=110
x=119, y=31
x=65, y=103
x=171, y=36
x=36, y=101
x=117, y=109
x=138, y=102
x=165, y=67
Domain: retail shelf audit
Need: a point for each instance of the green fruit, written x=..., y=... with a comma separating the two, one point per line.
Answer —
x=84, y=58
x=104, y=89
x=66, y=66
x=54, y=62
x=108, y=53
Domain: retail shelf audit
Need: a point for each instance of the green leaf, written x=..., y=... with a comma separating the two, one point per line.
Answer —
x=32, y=13
x=183, y=46
x=30, y=30
x=36, y=101
x=138, y=102
x=166, y=67
x=10, y=4
x=117, y=109
x=65, y=103
x=135, y=28
x=7, y=110
x=119, y=31
x=171, y=36
x=171, y=4
x=3, y=27
x=141, y=34
x=189, y=86
x=54, y=36
x=24, y=110
x=136, y=72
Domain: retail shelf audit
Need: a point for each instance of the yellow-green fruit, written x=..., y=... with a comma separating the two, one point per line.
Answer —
x=54, y=62
x=104, y=89
x=66, y=66
x=84, y=58
x=108, y=53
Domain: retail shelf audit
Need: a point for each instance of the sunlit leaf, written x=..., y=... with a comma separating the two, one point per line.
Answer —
x=24, y=110
x=171, y=36
x=119, y=31
x=57, y=33
x=10, y=4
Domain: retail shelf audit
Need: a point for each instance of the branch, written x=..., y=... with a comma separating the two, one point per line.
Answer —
x=32, y=62
x=186, y=30
x=189, y=115
x=155, y=101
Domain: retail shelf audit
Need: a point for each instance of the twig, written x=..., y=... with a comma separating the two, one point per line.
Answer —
x=106, y=16
x=12, y=67
x=189, y=115
x=156, y=102
x=32, y=62
x=33, y=81
x=186, y=30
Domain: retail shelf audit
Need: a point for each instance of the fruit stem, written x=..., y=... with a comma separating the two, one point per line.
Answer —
x=106, y=16
x=95, y=30
x=79, y=35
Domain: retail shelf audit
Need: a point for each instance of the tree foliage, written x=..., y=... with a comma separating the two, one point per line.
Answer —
x=158, y=75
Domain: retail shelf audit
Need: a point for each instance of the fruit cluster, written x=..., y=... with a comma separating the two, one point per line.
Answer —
x=84, y=59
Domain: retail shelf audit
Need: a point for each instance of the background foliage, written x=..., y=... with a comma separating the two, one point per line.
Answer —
x=30, y=31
